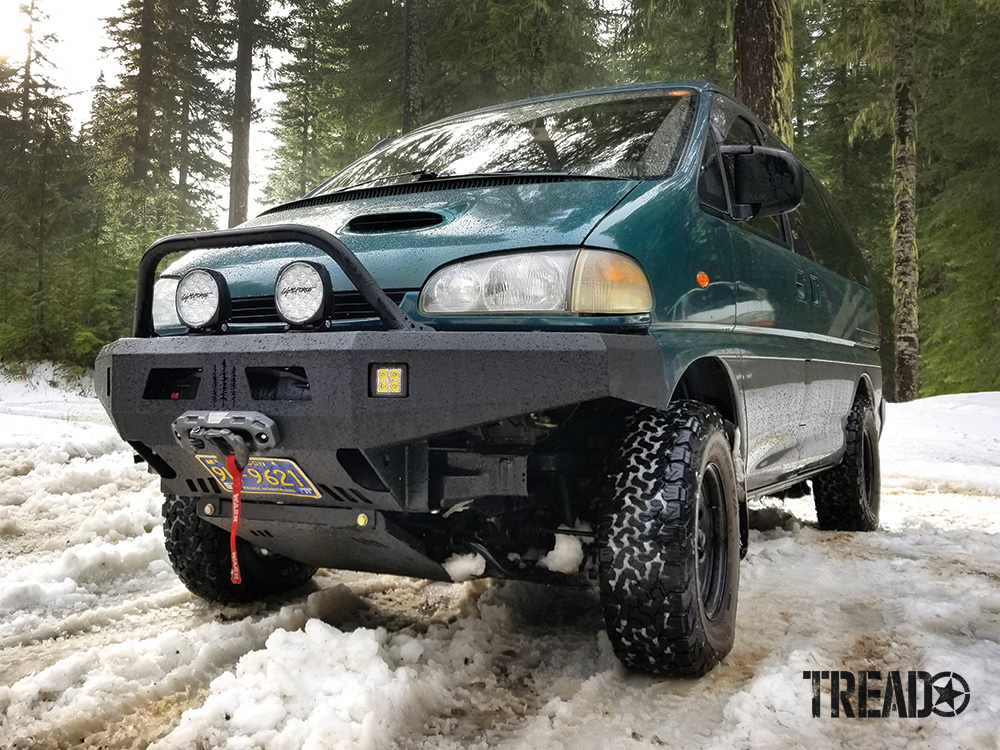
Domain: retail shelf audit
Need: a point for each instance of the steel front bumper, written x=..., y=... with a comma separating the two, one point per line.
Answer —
x=455, y=380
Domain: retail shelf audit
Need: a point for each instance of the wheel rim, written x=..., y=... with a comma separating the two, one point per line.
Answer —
x=711, y=550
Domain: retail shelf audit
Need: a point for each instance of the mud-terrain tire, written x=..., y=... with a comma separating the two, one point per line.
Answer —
x=848, y=495
x=199, y=554
x=669, y=543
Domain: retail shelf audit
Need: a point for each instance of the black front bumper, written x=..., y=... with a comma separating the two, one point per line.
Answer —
x=455, y=380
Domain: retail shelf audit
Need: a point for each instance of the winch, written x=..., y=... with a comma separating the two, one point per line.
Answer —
x=233, y=436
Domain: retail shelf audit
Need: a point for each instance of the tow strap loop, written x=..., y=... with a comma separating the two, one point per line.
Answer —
x=237, y=475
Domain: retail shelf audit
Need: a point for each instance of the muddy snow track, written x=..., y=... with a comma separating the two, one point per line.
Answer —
x=102, y=648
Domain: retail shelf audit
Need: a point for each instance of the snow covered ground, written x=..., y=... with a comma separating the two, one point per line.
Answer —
x=101, y=646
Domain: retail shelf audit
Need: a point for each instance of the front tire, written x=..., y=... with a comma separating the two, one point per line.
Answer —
x=669, y=543
x=848, y=495
x=199, y=554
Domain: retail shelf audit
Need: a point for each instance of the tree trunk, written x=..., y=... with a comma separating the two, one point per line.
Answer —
x=414, y=64
x=239, y=173
x=762, y=61
x=308, y=79
x=26, y=80
x=843, y=114
x=711, y=59
x=539, y=51
x=144, y=94
x=183, y=159
x=40, y=232
x=904, y=229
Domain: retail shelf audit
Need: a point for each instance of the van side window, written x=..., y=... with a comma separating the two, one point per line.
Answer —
x=735, y=130
x=743, y=133
x=772, y=141
x=820, y=235
x=711, y=186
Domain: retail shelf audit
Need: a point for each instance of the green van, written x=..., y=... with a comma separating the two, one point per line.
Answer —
x=558, y=340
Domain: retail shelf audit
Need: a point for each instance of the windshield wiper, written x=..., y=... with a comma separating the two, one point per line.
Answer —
x=527, y=173
x=427, y=175
x=420, y=174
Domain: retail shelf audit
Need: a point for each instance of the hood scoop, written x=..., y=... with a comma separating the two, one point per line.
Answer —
x=394, y=222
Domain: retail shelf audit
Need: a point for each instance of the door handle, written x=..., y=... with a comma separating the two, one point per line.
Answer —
x=814, y=283
x=800, y=286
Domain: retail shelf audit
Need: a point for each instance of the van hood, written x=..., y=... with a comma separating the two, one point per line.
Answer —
x=404, y=236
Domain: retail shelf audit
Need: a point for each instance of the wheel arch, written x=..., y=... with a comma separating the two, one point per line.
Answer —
x=865, y=387
x=710, y=381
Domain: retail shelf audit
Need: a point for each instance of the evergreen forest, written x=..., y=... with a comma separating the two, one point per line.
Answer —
x=895, y=104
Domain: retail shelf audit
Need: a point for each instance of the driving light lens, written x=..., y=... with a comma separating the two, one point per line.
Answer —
x=164, y=306
x=201, y=297
x=610, y=283
x=300, y=292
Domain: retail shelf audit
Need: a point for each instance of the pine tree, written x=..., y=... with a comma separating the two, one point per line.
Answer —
x=905, y=279
x=666, y=39
x=415, y=64
x=249, y=32
x=168, y=51
x=959, y=201
x=762, y=61
x=38, y=180
x=841, y=129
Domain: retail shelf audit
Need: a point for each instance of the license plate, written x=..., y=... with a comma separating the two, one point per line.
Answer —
x=271, y=476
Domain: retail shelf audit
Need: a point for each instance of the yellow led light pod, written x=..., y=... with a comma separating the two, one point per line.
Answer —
x=611, y=284
x=388, y=381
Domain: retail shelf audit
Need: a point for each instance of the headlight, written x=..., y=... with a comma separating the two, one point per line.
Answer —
x=202, y=298
x=560, y=281
x=164, y=306
x=301, y=292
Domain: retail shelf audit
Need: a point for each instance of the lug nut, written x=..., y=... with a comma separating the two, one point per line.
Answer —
x=209, y=509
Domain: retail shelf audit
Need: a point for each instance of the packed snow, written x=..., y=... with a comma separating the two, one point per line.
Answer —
x=102, y=647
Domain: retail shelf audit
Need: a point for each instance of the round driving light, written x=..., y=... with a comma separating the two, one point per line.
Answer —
x=301, y=292
x=202, y=298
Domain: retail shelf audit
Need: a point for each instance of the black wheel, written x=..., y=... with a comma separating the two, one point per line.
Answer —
x=669, y=543
x=848, y=495
x=199, y=553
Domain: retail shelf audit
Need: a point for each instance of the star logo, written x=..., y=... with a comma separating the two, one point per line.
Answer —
x=951, y=689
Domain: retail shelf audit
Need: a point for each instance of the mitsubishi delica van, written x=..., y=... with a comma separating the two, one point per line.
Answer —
x=562, y=340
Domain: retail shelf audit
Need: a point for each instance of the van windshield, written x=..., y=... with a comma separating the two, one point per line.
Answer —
x=633, y=135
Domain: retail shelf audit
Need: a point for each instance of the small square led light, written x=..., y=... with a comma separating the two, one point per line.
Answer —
x=388, y=381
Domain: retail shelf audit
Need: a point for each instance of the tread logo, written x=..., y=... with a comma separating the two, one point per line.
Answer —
x=869, y=695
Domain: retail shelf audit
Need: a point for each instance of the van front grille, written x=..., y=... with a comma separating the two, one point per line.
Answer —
x=346, y=306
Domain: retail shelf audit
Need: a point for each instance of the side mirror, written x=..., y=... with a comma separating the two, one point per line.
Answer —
x=768, y=181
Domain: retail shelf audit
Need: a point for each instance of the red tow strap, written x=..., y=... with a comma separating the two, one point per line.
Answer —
x=237, y=476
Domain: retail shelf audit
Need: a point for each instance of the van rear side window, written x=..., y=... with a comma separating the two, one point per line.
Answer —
x=820, y=235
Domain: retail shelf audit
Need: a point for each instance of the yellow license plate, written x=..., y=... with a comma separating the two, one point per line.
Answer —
x=271, y=476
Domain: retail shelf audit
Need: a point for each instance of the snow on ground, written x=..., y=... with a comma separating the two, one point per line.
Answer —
x=102, y=647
